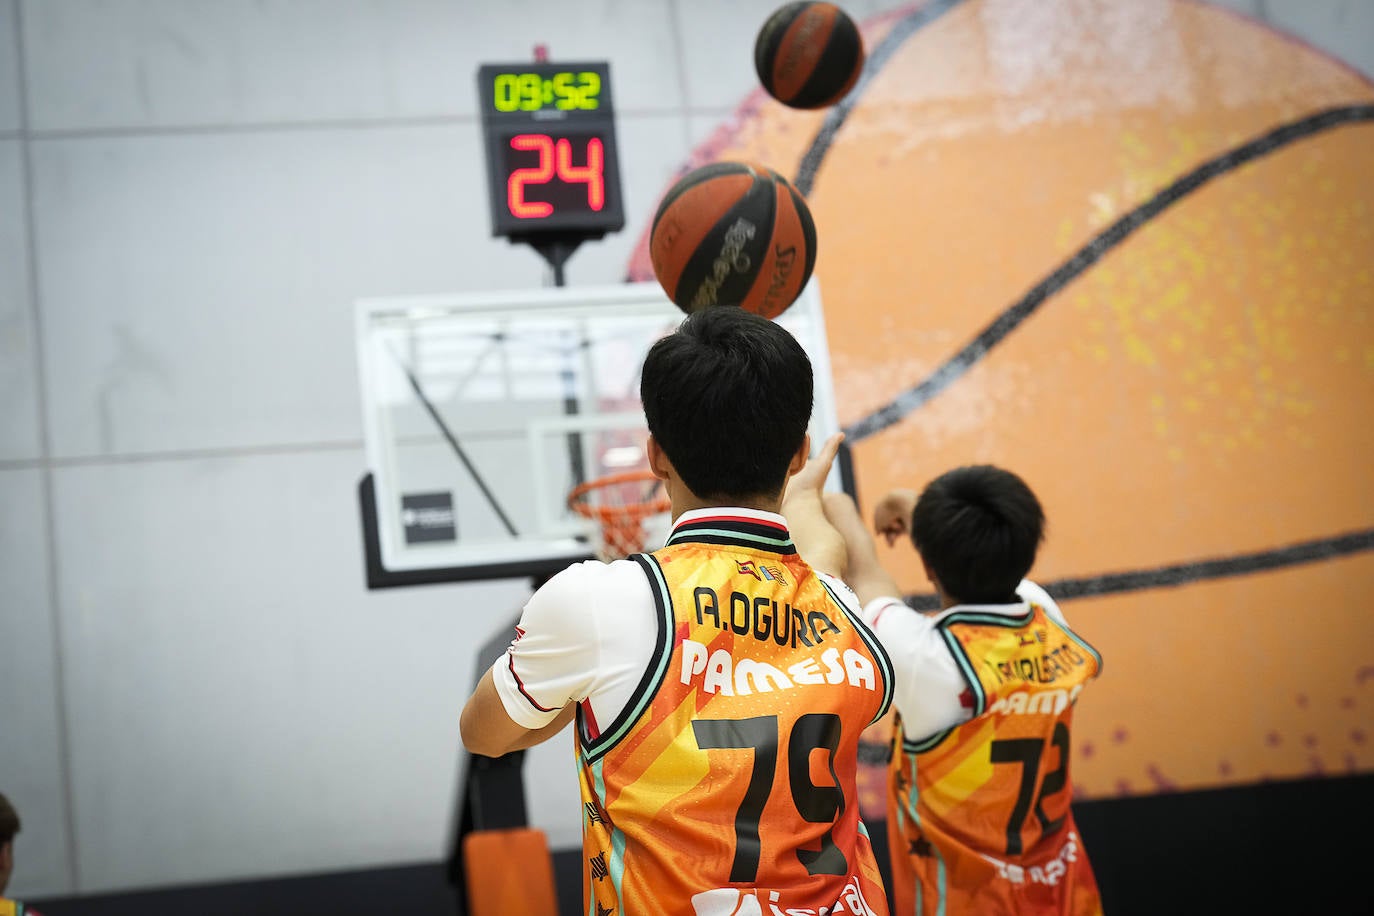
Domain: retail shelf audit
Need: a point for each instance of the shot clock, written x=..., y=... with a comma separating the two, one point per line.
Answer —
x=552, y=168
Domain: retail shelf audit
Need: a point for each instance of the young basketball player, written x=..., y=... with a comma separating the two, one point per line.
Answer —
x=9, y=826
x=978, y=814
x=719, y=685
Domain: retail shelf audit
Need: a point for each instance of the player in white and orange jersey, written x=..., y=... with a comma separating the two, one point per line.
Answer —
x=720, y=683
x=978, y=814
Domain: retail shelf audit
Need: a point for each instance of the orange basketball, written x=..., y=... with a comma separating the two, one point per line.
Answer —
x=733, y=233
x=808, y=55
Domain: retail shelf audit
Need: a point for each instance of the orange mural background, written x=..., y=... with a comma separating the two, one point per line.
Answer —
x=1203, y=390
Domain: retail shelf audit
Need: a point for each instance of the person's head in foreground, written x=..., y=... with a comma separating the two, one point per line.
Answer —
x=727, y=399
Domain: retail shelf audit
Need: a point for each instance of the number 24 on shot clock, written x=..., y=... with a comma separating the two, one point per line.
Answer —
x=552, y=165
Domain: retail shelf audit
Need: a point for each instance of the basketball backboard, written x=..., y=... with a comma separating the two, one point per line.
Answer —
x=481, y=412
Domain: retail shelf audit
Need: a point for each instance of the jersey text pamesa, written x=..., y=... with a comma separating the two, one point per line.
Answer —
x=760, y=617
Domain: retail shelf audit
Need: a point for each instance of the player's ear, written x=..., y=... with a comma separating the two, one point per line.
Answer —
x=801, y=457
x=658, y=459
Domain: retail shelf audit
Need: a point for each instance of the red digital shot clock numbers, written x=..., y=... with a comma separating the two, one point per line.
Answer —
x=552, y=167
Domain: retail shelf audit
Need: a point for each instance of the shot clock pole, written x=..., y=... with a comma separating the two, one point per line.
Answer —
x=553, y=182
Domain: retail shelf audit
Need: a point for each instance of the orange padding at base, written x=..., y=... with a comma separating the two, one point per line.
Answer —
x=509, y=871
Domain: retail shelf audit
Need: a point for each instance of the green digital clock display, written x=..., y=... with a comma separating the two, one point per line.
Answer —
x=552, y=162
x=566, y=90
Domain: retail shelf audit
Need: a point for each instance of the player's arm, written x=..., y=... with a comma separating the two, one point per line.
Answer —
x=819, y=544
x=864, y=573
x=928, y=687
x=487, y=728
x=529, y=694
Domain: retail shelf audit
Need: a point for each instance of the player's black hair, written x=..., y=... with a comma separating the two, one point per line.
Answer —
x=9, y=821
x=728, y=397
x=978, y=528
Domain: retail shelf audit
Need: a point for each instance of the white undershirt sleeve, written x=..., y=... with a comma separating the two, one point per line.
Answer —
x=554, y=656
x=929, y=689
x=586, y=634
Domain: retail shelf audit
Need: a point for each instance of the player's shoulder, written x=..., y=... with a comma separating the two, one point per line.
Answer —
x=591, y=574
x=1033, y=593
x=593, y=583
x=841, y=590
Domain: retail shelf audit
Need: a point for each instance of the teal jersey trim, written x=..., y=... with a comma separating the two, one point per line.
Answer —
x=723, y=537
x=615, y=867
x=875, y=649
x=596, y=748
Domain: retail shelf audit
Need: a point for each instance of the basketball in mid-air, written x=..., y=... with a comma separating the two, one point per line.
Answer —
x=808, y=55
x=733, y=233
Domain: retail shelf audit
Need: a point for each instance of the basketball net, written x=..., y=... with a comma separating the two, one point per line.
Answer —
x=620, y=504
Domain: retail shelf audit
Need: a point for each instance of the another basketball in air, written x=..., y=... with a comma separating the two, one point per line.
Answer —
x=808, y=55
x=733, y=233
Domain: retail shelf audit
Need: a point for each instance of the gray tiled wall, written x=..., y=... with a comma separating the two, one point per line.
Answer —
x=187, y=650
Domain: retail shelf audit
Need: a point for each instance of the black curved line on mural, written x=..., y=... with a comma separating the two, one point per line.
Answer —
x=836, y=115
x=1314, y=551
x=1091, y=253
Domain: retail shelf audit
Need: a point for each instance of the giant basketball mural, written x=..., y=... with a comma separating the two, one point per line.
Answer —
x=1125, y=248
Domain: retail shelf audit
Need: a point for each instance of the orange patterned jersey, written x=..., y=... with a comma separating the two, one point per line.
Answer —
x=982, y=809
x=15, y=908
x=728, y=783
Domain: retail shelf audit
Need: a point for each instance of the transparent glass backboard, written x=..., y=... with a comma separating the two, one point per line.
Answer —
x=481, y=412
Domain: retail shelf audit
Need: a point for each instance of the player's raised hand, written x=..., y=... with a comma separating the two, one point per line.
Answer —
x=811, y=478
x=817, y=540
x=892, y=515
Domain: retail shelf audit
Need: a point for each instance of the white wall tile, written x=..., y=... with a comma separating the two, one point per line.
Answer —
x=9, y=68
x=146, y=63
x=30, y=754
x=19, y=433
x=239, y=703
x=198, y=290
x=1341, y=28
x=719, y=62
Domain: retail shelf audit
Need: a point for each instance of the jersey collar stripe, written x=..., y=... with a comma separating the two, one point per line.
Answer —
x=992, y=620
x=753, y=536
x=739, y=517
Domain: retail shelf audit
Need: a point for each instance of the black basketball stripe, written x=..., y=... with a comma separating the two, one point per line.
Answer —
x=834, y=65
x=1010, y=319
x=1314, y=551
x=696, y=177
x=804, y=219
x=808, y=226
x=719, y=270
x=769, y=37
